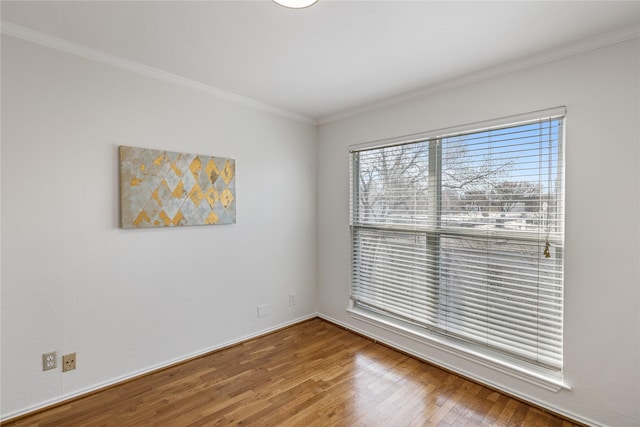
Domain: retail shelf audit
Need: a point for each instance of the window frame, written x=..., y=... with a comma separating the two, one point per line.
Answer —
x=434, y=231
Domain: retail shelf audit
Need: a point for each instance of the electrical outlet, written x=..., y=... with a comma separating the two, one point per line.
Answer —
x=49, y=360
x=68, y=362
x=292, y=299
x=262, y=310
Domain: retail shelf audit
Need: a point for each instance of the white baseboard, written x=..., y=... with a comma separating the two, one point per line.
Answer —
x=145, y=371
x=132, y=375
x=479, y=379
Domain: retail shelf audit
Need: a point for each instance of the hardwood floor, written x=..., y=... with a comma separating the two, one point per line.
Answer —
x=311, y=374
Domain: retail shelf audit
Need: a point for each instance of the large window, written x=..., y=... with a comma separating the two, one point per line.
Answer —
x=461, y=234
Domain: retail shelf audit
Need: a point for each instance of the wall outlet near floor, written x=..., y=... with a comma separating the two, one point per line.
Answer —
x=49, y=360
x=292, y=299
x=68, y=362
x=263, y=310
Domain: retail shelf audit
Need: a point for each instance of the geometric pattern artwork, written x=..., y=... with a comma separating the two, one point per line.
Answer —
x=168, y=189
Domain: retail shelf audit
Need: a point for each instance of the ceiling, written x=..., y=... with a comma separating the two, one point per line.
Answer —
x=330, y=59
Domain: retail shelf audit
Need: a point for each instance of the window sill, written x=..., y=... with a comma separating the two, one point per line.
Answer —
x=532, y=374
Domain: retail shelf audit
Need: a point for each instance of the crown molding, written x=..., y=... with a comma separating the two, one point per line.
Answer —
x=530, y=61
x=56, y=43
x=572, y=49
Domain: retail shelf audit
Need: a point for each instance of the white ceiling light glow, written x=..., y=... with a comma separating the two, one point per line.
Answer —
x=295, y=4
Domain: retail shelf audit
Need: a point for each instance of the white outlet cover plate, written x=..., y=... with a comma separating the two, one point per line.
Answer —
x=49, y=361
x=262, y=310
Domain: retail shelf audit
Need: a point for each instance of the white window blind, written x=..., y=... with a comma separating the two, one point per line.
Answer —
x=462, y=235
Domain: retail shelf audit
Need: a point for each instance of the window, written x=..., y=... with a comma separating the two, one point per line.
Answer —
x=461, y=234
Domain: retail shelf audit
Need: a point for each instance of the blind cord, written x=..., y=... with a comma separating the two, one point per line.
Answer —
x=547, y=246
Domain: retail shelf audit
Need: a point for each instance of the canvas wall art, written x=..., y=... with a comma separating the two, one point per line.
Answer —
x=168, y=189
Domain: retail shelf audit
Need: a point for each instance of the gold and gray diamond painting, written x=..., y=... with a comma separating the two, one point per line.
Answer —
x=168, y=189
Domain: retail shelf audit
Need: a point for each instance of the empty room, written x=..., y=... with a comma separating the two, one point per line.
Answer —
x=338, y=213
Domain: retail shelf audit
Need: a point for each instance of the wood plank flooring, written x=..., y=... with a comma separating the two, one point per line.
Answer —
x=311, y=374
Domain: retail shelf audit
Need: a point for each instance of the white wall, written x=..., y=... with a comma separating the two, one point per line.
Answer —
x=129, y=300
x=602, y=300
